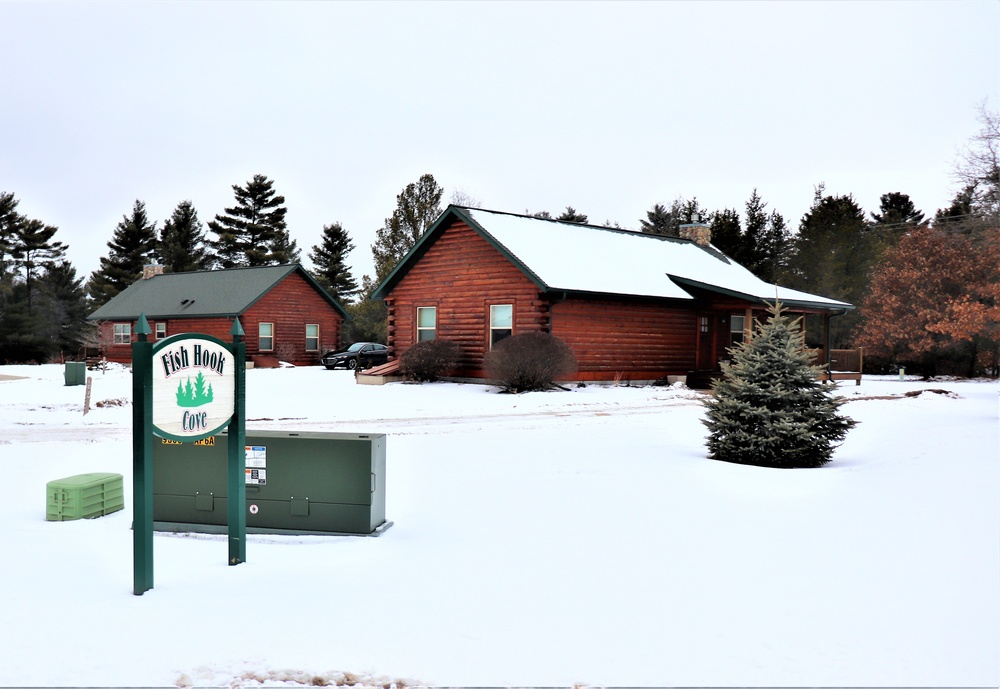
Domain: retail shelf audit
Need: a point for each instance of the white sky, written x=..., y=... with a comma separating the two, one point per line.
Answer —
x=607, y=107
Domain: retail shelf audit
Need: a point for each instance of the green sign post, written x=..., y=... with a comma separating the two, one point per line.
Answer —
x=186, y=388
x=142, y=459
x=237, y=518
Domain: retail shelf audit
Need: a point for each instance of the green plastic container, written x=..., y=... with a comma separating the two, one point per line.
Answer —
x=84, y=496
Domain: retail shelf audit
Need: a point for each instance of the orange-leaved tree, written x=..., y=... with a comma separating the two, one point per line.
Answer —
x=935, y=299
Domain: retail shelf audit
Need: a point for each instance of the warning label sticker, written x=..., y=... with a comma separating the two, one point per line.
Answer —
x=256, y=465
x=256, y=456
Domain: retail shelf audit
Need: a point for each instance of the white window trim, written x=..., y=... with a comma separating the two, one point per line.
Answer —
x=160, y=326
x=261, y=337
x=420, y=328
x=122, y=333
x=734, y=331
x=493, y=327
x=315, y=337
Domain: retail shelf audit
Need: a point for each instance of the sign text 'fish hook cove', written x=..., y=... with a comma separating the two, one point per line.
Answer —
x=193, y=386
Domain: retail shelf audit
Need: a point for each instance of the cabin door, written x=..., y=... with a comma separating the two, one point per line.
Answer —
x=706, y=357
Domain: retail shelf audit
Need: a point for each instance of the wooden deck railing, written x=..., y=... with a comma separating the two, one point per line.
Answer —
x=845, y=364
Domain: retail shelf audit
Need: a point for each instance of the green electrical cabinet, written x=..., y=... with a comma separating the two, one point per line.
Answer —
x=75, y=373
x=303, y=483
x=84, y=496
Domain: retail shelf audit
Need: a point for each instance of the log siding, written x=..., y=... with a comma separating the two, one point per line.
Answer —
x=290, y=306
x=626, y=340
x=461, y=275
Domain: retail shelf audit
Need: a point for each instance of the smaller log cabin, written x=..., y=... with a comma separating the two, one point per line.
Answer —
x=286, y=314
x=632, y=306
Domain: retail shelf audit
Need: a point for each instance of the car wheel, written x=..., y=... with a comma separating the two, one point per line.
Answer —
x=352, y=364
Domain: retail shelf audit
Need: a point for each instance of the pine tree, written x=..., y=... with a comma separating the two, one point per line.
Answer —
x=133, y=245
x=658, y=221
x=692, y=212
x=757, y=252
x=9, y=218
x=960, y=211
x=285, y=250
x=8, y=221
x=417, y=207
x=897, y=209
x=62, y=305
x=769, y=408
x=182, y=241
x=727, y=234
x=832, y=256
x=765, y=240
x=32, y=248
x=570, y=215
x=330, y=259
x=665, y=222
x=368, y=316
x=253, y=232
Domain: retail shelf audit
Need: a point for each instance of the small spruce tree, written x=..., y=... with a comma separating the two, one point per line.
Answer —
x=769, y=408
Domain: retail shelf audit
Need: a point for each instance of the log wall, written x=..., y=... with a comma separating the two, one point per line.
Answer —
x=290, y=305
x=627, y=340
x=462, y=275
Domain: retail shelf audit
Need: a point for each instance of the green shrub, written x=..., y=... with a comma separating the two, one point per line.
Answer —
x=429, y=360
x=530, y=361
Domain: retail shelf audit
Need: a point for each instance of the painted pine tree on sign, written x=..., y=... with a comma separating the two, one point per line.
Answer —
x=770, y=409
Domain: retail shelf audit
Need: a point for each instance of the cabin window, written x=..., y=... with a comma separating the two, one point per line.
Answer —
x=501, y=322
x=312, y=337
x=426, y=323
x=704, y=324
x=265, y=337
x=737, y=329
x=161, y=330
x=123, y=333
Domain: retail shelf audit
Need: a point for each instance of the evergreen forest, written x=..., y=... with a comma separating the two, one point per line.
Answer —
x=926, y=284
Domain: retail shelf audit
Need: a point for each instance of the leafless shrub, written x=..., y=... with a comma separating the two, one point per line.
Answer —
x=530, y=361
x=429, y=360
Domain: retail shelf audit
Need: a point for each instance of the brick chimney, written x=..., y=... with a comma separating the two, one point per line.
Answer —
x=699, y=233
x=151, y=270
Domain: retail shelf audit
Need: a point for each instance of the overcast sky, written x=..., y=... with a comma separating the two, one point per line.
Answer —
x=606, y=107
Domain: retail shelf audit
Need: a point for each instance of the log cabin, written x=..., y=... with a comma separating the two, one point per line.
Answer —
x=286, y=314
x=633, y=307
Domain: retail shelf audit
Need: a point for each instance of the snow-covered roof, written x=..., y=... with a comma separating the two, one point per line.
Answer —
x=570, y=257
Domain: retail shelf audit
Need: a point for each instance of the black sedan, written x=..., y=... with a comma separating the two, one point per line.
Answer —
x=358, y=355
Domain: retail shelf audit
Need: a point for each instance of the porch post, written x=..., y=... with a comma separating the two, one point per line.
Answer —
x=826, y=339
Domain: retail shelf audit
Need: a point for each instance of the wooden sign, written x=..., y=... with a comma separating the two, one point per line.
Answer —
x=186, y=389
x=194, y=378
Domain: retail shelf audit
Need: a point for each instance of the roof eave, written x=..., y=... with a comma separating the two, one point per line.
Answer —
x=795, y=303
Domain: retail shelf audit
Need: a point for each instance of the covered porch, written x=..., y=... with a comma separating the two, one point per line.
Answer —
x=722, y=324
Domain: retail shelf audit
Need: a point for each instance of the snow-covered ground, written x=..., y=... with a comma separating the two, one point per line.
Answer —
x=539, y=539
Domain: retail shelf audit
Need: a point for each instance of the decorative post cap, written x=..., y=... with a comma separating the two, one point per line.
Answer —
x=142, y=325
x=237, y=329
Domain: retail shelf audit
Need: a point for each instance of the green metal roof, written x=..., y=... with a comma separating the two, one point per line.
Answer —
x=202, y=294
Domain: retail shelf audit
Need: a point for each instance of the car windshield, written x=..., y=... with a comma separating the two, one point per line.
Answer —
x=356, y=346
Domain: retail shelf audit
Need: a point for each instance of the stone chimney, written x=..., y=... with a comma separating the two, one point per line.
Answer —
x=151, y=270
x=699, y=233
